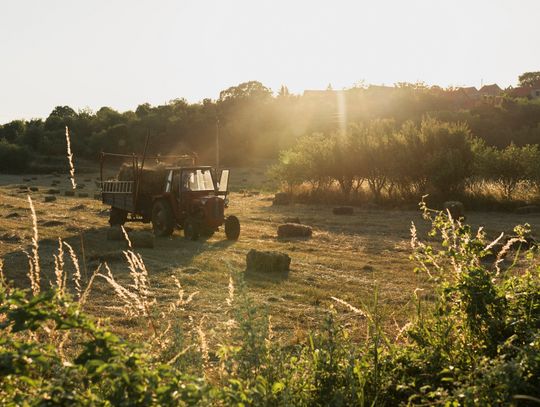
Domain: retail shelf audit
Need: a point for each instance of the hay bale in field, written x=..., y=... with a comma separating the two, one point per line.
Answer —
x=343, y=210
x=10, y=238
x=292, y=220
x=281, y=198
x=82, y=194
x=34, y=189
x=456, y=209
x=53, y=191
x=69, y=193
x=49, y=198
x=527, y=209
x=142, y=239
x=52, y=223
x=267, y=262
x=294, y=230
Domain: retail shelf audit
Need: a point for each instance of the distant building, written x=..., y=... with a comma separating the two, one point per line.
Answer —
x=470, y=92
x=490, y=90
x=529, y=92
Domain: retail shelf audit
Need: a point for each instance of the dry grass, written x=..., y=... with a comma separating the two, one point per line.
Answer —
x=347, y=258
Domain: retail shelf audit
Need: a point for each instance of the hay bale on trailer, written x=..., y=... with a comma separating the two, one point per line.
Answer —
x=456, y=209
x=294, y=230
x=267, y=262
x=152, y=180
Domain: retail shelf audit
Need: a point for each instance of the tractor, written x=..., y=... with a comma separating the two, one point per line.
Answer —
x=184, y=195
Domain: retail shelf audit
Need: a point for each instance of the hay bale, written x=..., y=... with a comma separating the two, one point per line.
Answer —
x=53, y=191
x=69, y=193
x=294, y=230
x=343, y=210
x=142, y=239
x=281, y=198
x=456, y=209
x=34, y=189
x=10, y=238
x=82, y=194
x=115, y=233
x=267, y=262
x=152, y=180
x=49, y=198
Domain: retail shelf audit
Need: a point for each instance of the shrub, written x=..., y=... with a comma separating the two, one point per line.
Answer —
x=13, y=158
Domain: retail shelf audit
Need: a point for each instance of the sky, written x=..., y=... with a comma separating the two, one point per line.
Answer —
x=121, y=53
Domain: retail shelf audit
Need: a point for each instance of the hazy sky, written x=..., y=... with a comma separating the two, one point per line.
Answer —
x=121, y=53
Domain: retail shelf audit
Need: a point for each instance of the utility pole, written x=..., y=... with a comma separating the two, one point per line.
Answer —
x=217, y=144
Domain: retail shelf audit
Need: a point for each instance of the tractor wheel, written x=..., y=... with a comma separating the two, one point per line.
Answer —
x=232, y=227
x=162, y=219
x=191, y=229
x=117, y=217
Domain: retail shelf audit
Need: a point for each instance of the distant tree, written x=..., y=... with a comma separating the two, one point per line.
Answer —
x=12, y=130
x=529, y=78
x=252, y=89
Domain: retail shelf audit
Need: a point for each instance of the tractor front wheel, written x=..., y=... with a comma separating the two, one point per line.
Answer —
x=191, y=229
x=232, y=227
x=162, y=219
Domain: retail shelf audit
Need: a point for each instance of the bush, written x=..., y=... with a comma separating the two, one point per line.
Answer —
x=13, y=158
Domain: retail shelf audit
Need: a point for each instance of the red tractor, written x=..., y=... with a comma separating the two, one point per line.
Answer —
x=185, y=196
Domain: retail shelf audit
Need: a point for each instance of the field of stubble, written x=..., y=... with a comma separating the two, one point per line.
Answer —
x=348, y=256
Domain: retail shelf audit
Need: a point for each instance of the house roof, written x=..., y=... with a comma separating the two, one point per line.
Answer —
x=520, y=92
x=492, y=90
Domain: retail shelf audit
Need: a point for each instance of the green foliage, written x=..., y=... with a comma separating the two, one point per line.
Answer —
x=508, y=167
x=529, y=79
x=254, y=124
x=13, y=157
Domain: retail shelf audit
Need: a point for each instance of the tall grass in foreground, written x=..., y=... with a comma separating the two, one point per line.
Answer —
x=478, y=343
x=69, y=155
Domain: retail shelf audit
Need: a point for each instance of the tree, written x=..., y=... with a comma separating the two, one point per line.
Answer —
x=251, y=89
x=529, y=79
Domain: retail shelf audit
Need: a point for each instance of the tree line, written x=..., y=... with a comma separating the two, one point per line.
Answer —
x=254, y=123
x=405, y=162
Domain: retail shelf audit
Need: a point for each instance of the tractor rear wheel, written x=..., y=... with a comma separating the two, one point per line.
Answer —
x=232, y=227
x=162, y=219
x=117, y=217
x=191, y=229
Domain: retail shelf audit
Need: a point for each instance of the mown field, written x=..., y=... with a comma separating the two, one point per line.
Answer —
x=348, y=257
